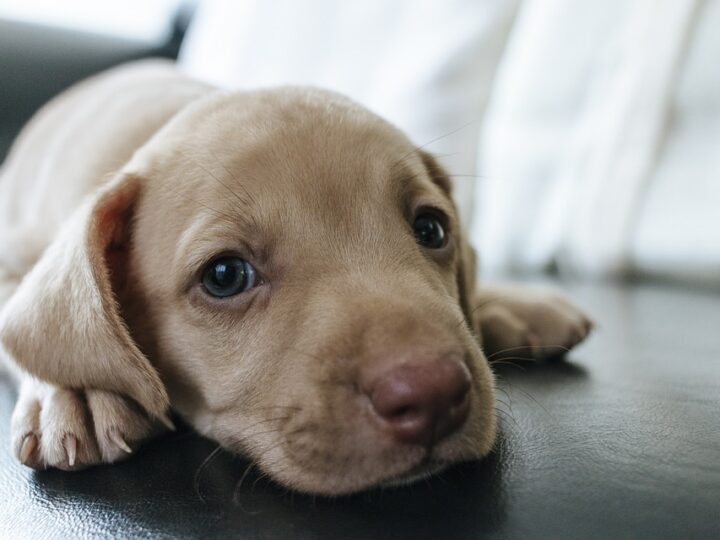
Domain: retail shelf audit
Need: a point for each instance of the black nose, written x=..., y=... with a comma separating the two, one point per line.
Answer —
x=422, y=403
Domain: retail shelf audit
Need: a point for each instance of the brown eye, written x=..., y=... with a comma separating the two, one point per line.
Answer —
x=429, y=233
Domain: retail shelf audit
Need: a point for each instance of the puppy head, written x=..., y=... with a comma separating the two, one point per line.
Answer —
x=294, y=270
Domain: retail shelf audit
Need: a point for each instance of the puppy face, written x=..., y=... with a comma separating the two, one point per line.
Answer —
x=322, y=208
x=293, y=269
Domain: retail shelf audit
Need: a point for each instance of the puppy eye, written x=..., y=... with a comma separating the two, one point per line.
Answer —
x=228, y=276
x=429, y=232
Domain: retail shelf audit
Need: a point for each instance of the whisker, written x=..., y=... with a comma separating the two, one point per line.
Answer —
x=238, y=486
x=245, y=191
x=514, y=359
x=233, y=219
x=505, y=404
x=444, y=154
x=436, y=139
x=249, y=202
x=529, y=396
x=261, y=476
x=507, y=363
x=508, y=416
x=214, y=177
x=507, y=395
x=203, y=465
x=520, y=347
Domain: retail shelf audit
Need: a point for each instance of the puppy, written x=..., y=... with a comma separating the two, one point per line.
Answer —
x=283, y=268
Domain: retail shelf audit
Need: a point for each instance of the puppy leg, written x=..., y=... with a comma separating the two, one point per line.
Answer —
x=527, y=322
x=72, y=430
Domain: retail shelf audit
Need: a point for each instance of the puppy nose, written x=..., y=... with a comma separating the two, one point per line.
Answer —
x=422, y=403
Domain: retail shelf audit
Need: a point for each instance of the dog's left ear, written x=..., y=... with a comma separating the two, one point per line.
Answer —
x=465, y=252
x=64, y=324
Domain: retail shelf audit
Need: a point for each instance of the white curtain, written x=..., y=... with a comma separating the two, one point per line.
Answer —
x=601, y=147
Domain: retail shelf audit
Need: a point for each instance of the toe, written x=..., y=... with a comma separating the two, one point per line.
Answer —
x=120, y=425
x=67, y=443
x=25, y=425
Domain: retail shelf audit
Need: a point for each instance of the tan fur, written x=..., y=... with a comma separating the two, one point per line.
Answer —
x=150, y=177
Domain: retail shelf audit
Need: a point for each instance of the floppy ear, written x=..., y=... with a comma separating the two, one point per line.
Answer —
x=466, y=254
x=64, y=324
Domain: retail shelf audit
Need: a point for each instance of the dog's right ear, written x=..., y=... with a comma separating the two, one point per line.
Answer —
x=64, y=324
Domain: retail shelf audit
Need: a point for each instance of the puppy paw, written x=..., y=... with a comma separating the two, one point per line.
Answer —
x=119, y=425
x=73, y=430
x=529, y=323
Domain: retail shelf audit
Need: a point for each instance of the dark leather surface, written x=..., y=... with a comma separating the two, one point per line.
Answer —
x=622, y=440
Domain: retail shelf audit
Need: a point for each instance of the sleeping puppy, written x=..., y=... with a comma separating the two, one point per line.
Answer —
x=282, y=268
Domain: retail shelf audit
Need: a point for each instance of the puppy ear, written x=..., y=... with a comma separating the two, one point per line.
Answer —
x=465, y=252
x=64, y=324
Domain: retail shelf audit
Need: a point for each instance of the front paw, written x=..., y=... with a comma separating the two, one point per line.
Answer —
x=73, y=430
x=529, y=323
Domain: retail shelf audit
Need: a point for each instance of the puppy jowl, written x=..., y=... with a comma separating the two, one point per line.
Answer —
x=282, y=268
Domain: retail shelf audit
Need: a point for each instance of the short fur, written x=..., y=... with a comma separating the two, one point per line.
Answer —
x=118, y=193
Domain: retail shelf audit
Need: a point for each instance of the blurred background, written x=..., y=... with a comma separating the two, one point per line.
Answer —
x=583, y=137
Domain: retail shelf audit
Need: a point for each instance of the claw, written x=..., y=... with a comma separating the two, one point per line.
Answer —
x=114, y=436
x=28, y=446
x=70, y=444
x=165, y=419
